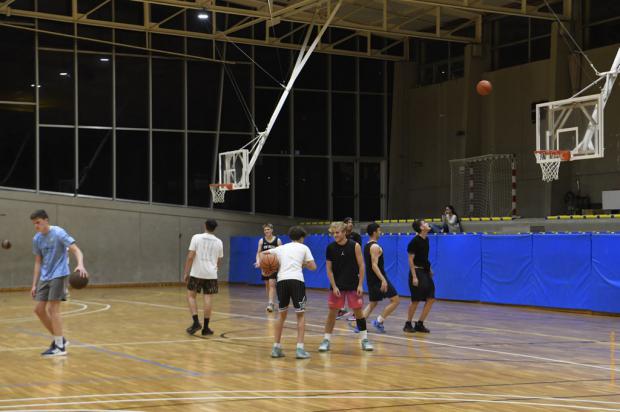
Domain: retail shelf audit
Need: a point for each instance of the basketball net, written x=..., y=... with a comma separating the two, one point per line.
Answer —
x=549, y=161
x=551, y=170
x=218, y=192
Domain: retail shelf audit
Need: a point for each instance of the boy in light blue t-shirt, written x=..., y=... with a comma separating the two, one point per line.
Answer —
x=51, y=271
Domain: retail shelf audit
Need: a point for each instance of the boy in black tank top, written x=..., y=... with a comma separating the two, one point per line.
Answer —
x=379, y=286
x=345, y=270
x=269, y=241
x=421, y=284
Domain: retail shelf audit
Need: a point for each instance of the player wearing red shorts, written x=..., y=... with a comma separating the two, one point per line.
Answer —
x=345, y=269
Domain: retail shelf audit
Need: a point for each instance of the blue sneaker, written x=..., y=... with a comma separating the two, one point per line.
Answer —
x=379, y=326
x=54, y=351
x=302, y=354
x=277, y=352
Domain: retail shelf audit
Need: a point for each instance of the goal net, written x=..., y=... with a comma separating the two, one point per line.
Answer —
x=484, y=185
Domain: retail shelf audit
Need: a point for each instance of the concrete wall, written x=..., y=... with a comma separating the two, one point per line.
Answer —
x=446, y=121
x=123, y=242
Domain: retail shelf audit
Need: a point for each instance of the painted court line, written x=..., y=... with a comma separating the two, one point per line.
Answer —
x=425, y=340
x=343, y=392
x=125, y=355
x=75, y=345
x=33, y=317
x=439, y=322
x=315, y=397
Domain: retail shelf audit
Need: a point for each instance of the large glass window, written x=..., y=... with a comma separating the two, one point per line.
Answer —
x=168, y=167
x=56, y=94
x=95, y=89
x=17, y=146
x=370, y=191
x=279, y=141
x=132, y=92
x=167, y=94
x=343, y=73
x=311, y=187
x=200, y=150
x=157, y=140
x=371, y=125
x=310, y=123
x=602, y=22
x=343, y=195
x=203, y=88
x=132, y=165
x=17, y=47
x=237, y=102
x=57, y=159
x=372, y=73
x=95, y=162
x=273, y=185
x=344, y=125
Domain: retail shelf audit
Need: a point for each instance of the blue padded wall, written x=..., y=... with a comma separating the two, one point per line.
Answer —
x=566, y=270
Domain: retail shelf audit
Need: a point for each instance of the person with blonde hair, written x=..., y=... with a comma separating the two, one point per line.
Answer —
x=345, y=270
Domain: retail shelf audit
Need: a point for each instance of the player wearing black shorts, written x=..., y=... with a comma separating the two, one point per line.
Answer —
x=293, y=258
x=421, y=284
x=379, y=286
x=268, y=242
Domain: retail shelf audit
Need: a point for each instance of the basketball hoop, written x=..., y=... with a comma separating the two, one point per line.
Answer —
x=549, y=161
x=218, y=191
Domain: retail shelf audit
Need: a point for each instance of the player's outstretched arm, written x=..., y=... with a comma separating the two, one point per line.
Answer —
x=79, y=256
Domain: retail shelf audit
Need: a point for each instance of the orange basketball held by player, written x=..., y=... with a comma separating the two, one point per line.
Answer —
x=269, y=264
x=484, y=87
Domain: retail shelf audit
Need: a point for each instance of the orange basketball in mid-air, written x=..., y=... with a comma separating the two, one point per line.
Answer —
x=484, y=87
x=269, y=264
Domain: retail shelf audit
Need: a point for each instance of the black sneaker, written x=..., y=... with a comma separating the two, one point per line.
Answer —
x=419, y=327
x=409, y=327
x=206, y=332
x=194, y=328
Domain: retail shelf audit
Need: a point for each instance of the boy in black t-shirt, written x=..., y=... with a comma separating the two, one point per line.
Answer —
x=348, y=222
x=345, y=270
x=421, y=284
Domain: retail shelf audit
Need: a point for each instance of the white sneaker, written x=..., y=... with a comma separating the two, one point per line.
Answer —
x=324, y=346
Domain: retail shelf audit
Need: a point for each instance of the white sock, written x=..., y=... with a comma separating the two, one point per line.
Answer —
x=277, y=345
x=300, y=346
x=327, y=336
x=58, y=342
x=380, y=319
x=364, y=334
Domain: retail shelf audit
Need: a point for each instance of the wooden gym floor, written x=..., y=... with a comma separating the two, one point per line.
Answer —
x=129, y=351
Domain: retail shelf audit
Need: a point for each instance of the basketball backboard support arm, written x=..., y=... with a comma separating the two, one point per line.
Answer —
x=302, y=58
x=586, y=143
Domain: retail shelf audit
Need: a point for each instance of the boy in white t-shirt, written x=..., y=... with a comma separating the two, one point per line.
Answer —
x=203, y=260
x=293, y=257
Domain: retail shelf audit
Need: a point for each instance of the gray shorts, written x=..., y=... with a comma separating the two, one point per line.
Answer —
x=52, y=290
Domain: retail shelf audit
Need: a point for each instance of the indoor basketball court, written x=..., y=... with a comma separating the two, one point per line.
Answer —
x=190, y=191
